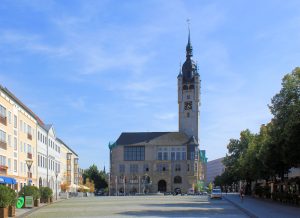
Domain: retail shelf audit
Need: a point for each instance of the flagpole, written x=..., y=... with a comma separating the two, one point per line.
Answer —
x=124, y=186
x=139, y=184
x=116, y=185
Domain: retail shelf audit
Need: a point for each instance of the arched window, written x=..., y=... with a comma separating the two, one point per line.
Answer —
x=185, y=87
x=177, y=180
x=191, y=87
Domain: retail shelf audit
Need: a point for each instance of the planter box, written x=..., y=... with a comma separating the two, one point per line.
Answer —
x=3, y=212
x=37, y=202
x=12, y=211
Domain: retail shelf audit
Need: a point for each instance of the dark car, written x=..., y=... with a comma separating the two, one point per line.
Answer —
x=99, y=193
x=177, y=191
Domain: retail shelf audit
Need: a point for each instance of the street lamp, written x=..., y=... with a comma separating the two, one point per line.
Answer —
x=56, y=174
x=29, y=164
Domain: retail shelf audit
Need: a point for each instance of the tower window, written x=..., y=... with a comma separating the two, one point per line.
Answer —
x=187, y=114
x=188, y=96
x=191, y=87
x=185, y=87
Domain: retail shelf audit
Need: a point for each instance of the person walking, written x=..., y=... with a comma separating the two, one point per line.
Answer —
x=242, y=194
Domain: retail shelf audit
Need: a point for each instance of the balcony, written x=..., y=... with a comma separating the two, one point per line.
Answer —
x=3, y=145
x=29, y=136
x=3, y=170
x=29, y=155
x=3, y=120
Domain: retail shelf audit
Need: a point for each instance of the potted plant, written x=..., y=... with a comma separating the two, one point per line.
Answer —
x=46, y=194
x=5, y=199
x=36, y=195
x=28, y=191
x=12, y=204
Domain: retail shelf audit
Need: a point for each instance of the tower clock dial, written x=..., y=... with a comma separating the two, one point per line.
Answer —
x=188, y=105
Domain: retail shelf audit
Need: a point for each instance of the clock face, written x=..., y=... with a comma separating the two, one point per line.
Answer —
x=188, y=105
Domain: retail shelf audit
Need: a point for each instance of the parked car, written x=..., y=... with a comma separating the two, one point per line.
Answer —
x=191, y=191
x=177, y=191
x=99, y=193
x=216, y=193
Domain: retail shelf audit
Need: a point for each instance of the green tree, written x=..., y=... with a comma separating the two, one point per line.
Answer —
x=285, y=106
x=98, y=177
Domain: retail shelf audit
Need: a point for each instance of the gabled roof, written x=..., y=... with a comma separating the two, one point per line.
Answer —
x=61, y=141
x=20, y=103
x=154, y=138
x=47, y=126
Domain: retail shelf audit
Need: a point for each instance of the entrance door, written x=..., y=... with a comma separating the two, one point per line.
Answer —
x=162, y=186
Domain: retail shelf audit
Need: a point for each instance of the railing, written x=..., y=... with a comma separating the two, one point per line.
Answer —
x=3, y=145
x=29, y=155
x=3, y=120
x=29, y=136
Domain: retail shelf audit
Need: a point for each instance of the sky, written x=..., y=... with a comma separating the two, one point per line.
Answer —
x=95, y=69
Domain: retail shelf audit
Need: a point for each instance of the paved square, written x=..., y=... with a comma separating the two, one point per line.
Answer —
x=140, y=206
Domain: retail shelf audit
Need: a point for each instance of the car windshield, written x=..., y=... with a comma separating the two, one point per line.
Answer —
x=216, y=191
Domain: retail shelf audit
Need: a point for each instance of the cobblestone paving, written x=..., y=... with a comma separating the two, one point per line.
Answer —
x=140, y=206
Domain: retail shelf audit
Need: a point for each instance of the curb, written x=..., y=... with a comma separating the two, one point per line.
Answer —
x=247, y=212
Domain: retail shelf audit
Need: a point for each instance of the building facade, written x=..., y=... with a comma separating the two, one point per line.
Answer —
x=162, y=161
x=214, y=168
x=23, y=137
x=49, y=158
x=69, y=165
x=17, y=140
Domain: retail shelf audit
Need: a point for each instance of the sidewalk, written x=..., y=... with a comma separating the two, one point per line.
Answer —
x=261, y=208
x=23, y=212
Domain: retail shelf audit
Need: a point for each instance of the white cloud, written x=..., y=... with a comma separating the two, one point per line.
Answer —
x=31, y=43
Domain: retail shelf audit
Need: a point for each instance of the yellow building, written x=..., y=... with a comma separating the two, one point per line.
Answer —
x=17, y=140
x=70, y=167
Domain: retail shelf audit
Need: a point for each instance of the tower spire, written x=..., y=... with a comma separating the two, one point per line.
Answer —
x=189, y=48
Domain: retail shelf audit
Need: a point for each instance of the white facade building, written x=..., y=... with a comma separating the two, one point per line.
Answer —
x=49, y=158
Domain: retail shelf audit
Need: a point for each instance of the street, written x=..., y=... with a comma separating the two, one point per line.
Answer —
x=141, y=206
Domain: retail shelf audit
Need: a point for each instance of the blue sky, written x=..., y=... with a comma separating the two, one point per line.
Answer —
x=95, y=69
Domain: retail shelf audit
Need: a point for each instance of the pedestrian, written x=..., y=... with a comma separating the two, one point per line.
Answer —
x=242, y=193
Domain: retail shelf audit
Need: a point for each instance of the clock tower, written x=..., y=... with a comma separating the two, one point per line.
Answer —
x=189, y=95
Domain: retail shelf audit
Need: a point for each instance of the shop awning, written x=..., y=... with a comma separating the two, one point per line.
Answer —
x=7, y=180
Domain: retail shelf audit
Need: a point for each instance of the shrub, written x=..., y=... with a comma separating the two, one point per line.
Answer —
x=5, y=196
x=30, y=191
x=13, y=197
x=46, y=192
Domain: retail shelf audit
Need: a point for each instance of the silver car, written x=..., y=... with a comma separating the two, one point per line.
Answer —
x=216, y=193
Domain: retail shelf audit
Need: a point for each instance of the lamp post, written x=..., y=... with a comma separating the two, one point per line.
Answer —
x=56, y=174
x=29, y=164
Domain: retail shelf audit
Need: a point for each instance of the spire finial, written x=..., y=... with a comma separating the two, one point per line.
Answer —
x=189, y=49
x=188, y=23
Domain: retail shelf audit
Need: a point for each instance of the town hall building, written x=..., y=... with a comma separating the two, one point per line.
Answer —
x=151, y=162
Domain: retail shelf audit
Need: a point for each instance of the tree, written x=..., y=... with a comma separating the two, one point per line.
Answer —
x=285, y=106
x=98, y=177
